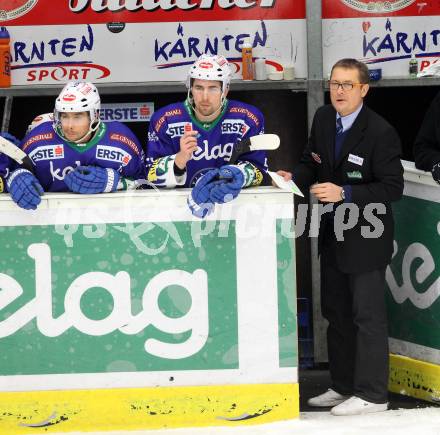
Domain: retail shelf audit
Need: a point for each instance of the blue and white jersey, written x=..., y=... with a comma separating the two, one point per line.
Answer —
x=215, y=143
x=4, y=171
x=113, y=146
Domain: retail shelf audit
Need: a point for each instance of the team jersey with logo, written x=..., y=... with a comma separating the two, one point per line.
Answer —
x=113, y=146
x=215, y=143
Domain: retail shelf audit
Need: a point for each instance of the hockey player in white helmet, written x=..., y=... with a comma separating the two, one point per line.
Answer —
x=39, y=119
x=190, y=143
x=208, y=71
x=76, y=113
x=76, y=151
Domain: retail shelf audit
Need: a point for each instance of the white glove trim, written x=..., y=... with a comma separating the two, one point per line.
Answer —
x=14, y=175
x=110, y=180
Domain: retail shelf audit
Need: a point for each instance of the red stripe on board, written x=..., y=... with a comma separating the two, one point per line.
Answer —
x=93, y=11
x=340, y=9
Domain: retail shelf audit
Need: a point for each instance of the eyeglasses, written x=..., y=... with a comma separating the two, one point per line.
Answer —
x=346, y=86
x=212, y=90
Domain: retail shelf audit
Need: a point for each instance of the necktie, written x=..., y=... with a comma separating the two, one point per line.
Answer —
x=339, y=128
x=339, y=138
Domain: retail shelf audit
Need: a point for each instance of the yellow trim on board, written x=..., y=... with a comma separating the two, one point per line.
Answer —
x=414, y=378
x=45, y=412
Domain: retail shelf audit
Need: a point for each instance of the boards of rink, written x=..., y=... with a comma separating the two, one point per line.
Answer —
x=262, y=385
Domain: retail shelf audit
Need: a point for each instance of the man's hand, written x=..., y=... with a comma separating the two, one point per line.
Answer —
x=25, y=189
x=229, y=186
x=188, y=144
x=287, y=176
x=327, y=192
x=199, y=201
x=92, y=179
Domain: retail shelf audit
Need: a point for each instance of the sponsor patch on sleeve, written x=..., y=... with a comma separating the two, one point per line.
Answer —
x=36, y=138
x=113, y=154
x=126, y=141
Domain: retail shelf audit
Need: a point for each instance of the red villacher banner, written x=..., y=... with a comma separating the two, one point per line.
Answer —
x=44, y=12
x=381, y=8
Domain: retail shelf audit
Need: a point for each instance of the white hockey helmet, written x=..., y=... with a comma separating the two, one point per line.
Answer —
x=40, y=119
x=208, y=67
x=79, y=97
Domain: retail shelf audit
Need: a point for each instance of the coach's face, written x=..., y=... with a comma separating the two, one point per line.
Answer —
x=346, y=93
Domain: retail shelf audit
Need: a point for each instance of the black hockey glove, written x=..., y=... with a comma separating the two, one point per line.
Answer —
x=436, y=172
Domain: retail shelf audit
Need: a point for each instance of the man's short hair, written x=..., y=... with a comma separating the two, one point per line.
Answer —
x=349, y=63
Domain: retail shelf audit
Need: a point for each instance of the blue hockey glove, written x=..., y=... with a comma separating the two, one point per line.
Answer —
x=92, y=179
x=198, y=200
x=25, y=189
x=231, y=182
x=10, y=138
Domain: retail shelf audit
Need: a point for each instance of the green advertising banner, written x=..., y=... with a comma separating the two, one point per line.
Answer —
x=86, y=308
x=414, y=275
x=88, y=293
x=124, y=312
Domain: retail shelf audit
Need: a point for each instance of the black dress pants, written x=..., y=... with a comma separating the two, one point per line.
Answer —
x=357, y=335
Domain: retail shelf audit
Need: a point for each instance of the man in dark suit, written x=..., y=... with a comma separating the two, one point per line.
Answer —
x=352, y=161
x=427, y=143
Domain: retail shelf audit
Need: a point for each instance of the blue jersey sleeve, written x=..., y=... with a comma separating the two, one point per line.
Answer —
x=254, y=163
x=160, y=144
x=5, y=164
x=161, y=151
x=126, y=139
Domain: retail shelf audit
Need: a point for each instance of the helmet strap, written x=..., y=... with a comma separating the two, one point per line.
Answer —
x=91, y=131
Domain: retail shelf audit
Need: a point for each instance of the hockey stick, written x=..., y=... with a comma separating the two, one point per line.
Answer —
x=15, y=153
x=254, y=143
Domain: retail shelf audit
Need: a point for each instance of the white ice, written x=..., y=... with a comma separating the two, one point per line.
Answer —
x=422, y=421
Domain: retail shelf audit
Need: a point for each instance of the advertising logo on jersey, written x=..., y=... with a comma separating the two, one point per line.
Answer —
x=32, y=139
x=176, y=129
x=12, y=9
x=113, y=154
x=377, y=6
x=126, y=112
x=233, y=126
x=55, y=59
x=47, y=152
x=152, y=136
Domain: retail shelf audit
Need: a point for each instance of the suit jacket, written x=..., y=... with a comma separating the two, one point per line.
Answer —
x=427, y=143
x=369, y=162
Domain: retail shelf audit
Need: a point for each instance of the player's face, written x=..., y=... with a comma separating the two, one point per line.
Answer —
x=207, y=95
x=75, y=125
x=347, y=101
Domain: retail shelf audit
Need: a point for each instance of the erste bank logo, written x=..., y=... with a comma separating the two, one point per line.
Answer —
x=11, y=9
x=47, y=152
x=374, y=7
